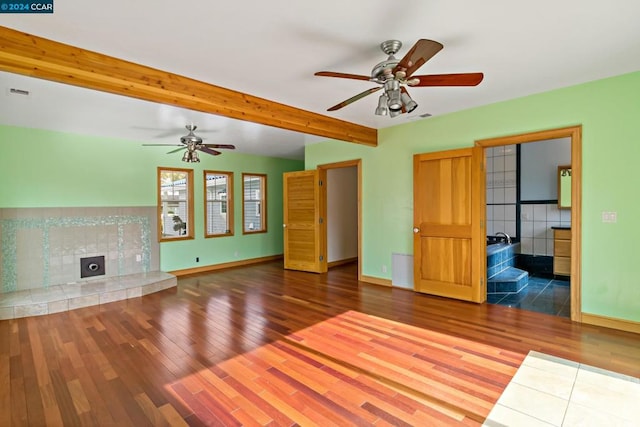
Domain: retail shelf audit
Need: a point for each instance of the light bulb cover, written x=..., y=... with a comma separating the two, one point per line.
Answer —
x=392, y=90
x=408, y=102
x=382, y=109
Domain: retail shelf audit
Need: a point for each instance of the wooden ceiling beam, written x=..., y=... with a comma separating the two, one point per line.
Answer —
x=34, y=56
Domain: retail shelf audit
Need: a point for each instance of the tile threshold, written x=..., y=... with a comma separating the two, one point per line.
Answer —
x=550, y=391
x=59, y=298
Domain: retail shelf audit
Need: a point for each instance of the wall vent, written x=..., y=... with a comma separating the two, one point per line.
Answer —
x=15, y=91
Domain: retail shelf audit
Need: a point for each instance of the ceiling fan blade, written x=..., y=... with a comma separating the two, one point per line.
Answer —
x=420, y=53
x=464, y=79
x=226, y=146
x=354, y=98
x=176, y=150
x=208, y=150
x=167, y=133
x=342, y=75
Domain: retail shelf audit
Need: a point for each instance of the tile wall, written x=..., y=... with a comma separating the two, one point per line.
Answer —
x=536, y=221
x=501, y=190
x=43, y=246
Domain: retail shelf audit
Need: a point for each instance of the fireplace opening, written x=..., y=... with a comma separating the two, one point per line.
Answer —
x=92, y=266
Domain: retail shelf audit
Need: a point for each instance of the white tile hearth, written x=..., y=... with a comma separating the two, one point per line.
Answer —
x=58, y=298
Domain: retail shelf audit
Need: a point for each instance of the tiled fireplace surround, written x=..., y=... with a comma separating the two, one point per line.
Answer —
x=41, y=250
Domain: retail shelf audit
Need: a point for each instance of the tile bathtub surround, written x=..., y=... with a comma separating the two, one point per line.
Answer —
x=58, y=298
x=550, y=391
x=500, y=257
x=42, y=247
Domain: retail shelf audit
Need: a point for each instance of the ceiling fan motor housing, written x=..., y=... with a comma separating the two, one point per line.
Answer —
x=383, y=70
x=191, y=138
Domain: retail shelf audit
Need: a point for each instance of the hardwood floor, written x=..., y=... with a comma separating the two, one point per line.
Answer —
x=265, y=346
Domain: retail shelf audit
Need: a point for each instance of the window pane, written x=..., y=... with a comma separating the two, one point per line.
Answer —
x=175, y=204
x=218, y=203
x=253, y=190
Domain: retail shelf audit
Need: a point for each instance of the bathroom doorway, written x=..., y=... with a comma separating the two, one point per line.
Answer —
x=524, y=207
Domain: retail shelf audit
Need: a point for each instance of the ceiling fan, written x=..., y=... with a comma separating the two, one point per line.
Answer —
x=393, y=75
x=193, y=143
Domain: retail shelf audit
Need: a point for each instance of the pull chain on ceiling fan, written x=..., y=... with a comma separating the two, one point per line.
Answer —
x=393, y=75
x=193, y=143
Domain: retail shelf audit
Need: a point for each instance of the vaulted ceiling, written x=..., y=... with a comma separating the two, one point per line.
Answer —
x=270, y=51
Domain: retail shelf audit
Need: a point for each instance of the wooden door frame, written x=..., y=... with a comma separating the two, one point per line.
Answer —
x=346, y=164
x=575, y=135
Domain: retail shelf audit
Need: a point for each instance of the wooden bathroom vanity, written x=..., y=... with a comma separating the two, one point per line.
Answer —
x=562, y=251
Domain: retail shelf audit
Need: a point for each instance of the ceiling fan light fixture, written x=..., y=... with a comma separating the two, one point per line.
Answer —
x=394, y=113
x=190, y=157
x=394, y=103
x=392, y=90
x=408, y=102
x=382, y=109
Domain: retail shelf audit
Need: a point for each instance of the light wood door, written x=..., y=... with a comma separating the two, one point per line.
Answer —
x=449, y=243
x=304, y=237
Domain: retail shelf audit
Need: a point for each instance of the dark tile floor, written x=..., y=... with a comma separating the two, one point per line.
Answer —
x=542, y=294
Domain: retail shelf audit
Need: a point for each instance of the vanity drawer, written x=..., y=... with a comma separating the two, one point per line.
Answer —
x=562, y=234
x=562, y=248
x=562, y=266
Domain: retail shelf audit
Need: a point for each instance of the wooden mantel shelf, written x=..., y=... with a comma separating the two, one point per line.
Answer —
x=30, y=55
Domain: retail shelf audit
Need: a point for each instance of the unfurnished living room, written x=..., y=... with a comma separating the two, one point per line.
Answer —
x=334, y=213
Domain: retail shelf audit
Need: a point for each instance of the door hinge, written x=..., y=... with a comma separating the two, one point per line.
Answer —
x=320, y=183
x=321, y=258
x=321, y=220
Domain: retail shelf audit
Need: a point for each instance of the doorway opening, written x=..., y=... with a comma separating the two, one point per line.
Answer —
x=573, y=233
x=343, y=216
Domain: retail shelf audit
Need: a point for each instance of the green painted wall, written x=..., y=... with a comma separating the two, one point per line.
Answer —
x=53, y=169
x=608, y=111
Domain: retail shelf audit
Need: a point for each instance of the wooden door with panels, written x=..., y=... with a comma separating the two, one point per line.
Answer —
x=303, y=221
x=449, y=233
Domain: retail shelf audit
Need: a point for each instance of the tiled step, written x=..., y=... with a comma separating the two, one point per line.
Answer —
x=509, y=280
x=58, y=298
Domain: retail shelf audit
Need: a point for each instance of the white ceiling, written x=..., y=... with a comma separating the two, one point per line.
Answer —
x=271, y=49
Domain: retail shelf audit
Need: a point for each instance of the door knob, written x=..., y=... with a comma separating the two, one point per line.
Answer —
x=416, y=230
x=284, y=225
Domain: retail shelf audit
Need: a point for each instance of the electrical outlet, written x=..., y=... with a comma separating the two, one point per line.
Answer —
x=610, y=217
x=235, y=254
x=138, y=257
x=384, y=268
x=197, y=259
